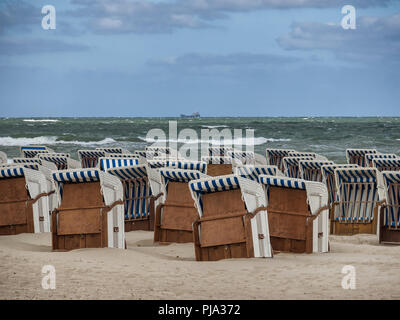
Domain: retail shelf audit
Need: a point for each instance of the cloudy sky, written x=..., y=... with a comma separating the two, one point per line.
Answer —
x=218, y=57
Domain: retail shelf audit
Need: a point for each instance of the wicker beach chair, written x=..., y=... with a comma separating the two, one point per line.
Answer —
x=356, y=205
x=328, y=177
x=311, y=170
x=23, y=201
x=3, y=157
x=138, y=198
x=90, y=212
x=389, y=221
x=369, y=157
x=59, y=159
x=232, y=220
x=275, y=156
x=253, y=172
x=291, y=165
x=298, y=214
x=32, y=151
x=175, y=216
x=90, y=158
x=357, y=156
x=386, y=164
x=34, y=161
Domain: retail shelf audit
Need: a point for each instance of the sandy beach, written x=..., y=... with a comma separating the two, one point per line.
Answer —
x=149, y=271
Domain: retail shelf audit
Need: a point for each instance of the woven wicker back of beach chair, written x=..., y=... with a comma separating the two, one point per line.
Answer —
x=357, y=156
x=218, y=165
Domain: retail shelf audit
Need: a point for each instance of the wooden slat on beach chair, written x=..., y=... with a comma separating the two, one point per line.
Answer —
x=357, y=156
x=298, y=214
x=232, y=220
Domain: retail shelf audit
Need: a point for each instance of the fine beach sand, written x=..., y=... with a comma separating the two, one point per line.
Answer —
x=149, y=271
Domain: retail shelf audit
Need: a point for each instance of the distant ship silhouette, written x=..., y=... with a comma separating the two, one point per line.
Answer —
x=193, y=115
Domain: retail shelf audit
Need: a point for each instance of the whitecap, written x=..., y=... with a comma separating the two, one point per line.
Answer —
x=40, y=120
x=49, y=140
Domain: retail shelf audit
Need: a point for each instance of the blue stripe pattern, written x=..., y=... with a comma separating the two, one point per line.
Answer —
x=392, y=210
x=253, y=172
x=109, y=163
x=11, y=172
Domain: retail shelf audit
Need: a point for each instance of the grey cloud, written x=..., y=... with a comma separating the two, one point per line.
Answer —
x=32, y=46
x=162, y=17
x=375, y=38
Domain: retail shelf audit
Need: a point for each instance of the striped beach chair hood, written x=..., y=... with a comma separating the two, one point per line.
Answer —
x=357, y=156
x=253, y=172
x=106, y=163
x=386, y=164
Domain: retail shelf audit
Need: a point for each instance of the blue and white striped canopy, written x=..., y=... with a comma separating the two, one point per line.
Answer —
x=313, y=165
x=386, y=164
x=121, y=155
x=129, y=172
x=295, y=161
x=141, y=153
x=11, y=172
x=180, y=175
x=278, y=152
x=109, y=162
x=32, y=151
x=359, y=152
x=158, y=150
x=110, y=150
x=253, y=172
x=372, y=156
x=356, y=175
x=330, y=169
x=58, y=160
x=26, y=160
x=191, y=165
x=76, y=175
x=303, y=154
x=282, y=182
x=215, y=184
x=90, y=154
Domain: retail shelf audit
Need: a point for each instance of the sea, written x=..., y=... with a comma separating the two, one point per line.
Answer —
x=327, y=136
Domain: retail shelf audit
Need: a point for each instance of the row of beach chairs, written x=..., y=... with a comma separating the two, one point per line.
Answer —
x=231, y=204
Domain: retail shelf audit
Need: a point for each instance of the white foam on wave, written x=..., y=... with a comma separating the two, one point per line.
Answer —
x=214, y=127
x=237, y=141
x=40, y=120
x=49, y=140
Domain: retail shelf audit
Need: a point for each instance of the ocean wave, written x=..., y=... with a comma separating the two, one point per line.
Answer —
x=40, y=120
x=214, y=127
x=237, y=141
x=49, y=140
